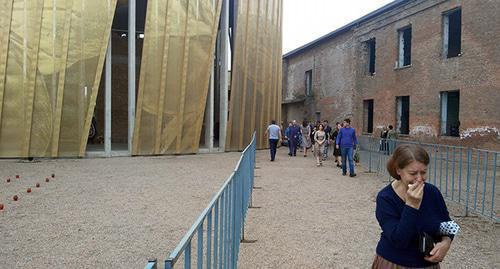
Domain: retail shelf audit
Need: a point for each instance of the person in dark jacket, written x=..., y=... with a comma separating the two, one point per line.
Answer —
x=406, y=209
x=294, y=134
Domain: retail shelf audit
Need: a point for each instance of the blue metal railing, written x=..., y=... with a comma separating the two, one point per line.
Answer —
x=466, y=176
x=220, y=226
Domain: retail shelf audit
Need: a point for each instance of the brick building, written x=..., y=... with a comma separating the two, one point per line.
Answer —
x=431, y=68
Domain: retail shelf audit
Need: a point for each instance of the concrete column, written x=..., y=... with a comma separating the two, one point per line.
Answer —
x=224, y=74
x=209, y=114
x=131, y=72
x=107, y=102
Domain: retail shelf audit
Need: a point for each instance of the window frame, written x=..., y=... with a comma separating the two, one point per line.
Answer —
x=400, y=63
x=371, y=48
x=308, y=83
x=446, y=33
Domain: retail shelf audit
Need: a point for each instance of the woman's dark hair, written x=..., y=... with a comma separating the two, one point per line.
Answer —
x=403, y=155
x=321, y=124
x=304, y=123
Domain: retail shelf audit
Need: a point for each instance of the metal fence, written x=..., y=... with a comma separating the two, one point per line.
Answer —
x=466, y=176
x=220, y=226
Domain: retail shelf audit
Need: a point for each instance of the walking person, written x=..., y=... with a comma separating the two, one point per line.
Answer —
x=328, y=132
x=306, y=137
x=274, y=132
x=391, y=139
x=294, y=137
x=336, y=150
x=319, y=144
x=313, y=130
x=410, y=213
x=287, y=138
x=346, y=141
x=383, y=140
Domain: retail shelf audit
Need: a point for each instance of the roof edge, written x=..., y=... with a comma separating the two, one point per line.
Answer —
x=345, y=28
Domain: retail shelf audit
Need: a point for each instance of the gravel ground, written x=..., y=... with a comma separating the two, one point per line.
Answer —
x=103, y=213
x=310, y=217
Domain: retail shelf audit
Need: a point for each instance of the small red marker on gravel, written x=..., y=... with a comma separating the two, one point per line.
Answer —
x=15, y=198
x=37, y=185
x=18, y=177
x=47, y=180
x=28, y=190
x=8, y=180
x=1, y=206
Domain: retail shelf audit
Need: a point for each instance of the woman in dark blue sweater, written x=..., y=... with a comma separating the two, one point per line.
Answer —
x=406, y=209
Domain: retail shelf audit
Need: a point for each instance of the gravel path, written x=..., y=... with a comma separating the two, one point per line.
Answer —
x=103, y=213
x=310, y=217
x=114, y=213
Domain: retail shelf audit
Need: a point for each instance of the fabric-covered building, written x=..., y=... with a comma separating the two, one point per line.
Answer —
x=142, y=77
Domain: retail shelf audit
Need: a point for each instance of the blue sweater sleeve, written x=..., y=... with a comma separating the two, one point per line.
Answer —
x=399, y=229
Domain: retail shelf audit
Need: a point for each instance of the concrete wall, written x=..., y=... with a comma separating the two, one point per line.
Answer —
x=341, y=81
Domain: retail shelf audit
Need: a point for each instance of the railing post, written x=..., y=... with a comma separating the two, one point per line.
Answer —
x=484, y=181
x=199, y=246
x=168, y=264
x=209, y=240
x=369, y=160
x=493, y=185
x=467, y=191
x=152, y=264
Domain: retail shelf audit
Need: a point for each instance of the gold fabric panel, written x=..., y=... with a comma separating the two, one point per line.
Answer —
x=51, y=58
x=256, y=73
x=175, y=70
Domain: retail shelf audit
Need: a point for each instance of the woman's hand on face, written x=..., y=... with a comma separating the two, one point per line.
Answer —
x=439, y=251
x=414, y=194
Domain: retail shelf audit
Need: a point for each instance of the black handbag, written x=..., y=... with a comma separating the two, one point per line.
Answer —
x=425, y=244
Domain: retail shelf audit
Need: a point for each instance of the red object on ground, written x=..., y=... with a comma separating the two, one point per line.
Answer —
x=28, y=190
x=47, y=180
x=53, y=175
x=37, y=185
x=15, y=198
x=8, y=180
x=1, y=206
x=17, y=176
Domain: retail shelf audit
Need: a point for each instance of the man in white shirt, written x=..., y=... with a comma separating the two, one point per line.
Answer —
x=274, y=132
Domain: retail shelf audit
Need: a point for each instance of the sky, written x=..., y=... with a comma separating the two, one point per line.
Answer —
x=307, y=20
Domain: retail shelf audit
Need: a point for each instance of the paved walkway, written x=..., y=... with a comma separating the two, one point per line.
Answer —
x=313, y=217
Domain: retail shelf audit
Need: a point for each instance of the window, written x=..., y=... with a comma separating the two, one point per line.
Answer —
x=452, y=33
x=404, y=57
x=370, y=44
x=450, y=105
x=309, y=83
x=368, y=116
x=318, y=116
x=403, y=114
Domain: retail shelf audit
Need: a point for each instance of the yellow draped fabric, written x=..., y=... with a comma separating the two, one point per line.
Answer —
x=175, y=71
x=51, y=59
x=256, y=74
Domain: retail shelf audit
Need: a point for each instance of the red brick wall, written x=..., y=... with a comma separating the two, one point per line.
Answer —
x=341, y=82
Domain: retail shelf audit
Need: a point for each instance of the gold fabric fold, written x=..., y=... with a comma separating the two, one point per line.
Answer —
x=175, y=70
x=51, y=59
x=256, y=73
